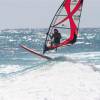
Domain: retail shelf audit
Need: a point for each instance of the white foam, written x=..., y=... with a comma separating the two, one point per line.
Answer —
x=9, y=68
x=85, y=54
x=61, y=81
x=79, y=42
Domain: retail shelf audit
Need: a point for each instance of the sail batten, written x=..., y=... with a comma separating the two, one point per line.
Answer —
x=66, y=21
x=63, y=27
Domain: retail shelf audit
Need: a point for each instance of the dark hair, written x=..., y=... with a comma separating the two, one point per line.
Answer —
x=56, y=30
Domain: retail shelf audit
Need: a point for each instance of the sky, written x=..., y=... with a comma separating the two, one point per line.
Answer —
x=39, y=13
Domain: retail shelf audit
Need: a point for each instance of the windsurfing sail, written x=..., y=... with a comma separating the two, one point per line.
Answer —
x=66, y=21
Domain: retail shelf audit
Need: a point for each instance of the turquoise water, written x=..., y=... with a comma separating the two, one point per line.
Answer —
x=14, y=59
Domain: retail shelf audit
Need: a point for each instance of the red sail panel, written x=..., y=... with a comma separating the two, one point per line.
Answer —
x=66, y=21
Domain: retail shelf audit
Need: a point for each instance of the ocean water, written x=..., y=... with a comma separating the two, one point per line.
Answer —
x=14, y=59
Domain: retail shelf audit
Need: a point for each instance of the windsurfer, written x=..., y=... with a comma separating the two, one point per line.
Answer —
x=56, y=37
x=55, y=40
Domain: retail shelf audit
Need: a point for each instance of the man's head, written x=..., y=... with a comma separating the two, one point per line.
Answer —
x=55, y=31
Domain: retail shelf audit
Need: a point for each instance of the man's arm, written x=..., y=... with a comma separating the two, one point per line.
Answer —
x=60, y=35
x=50, y=36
